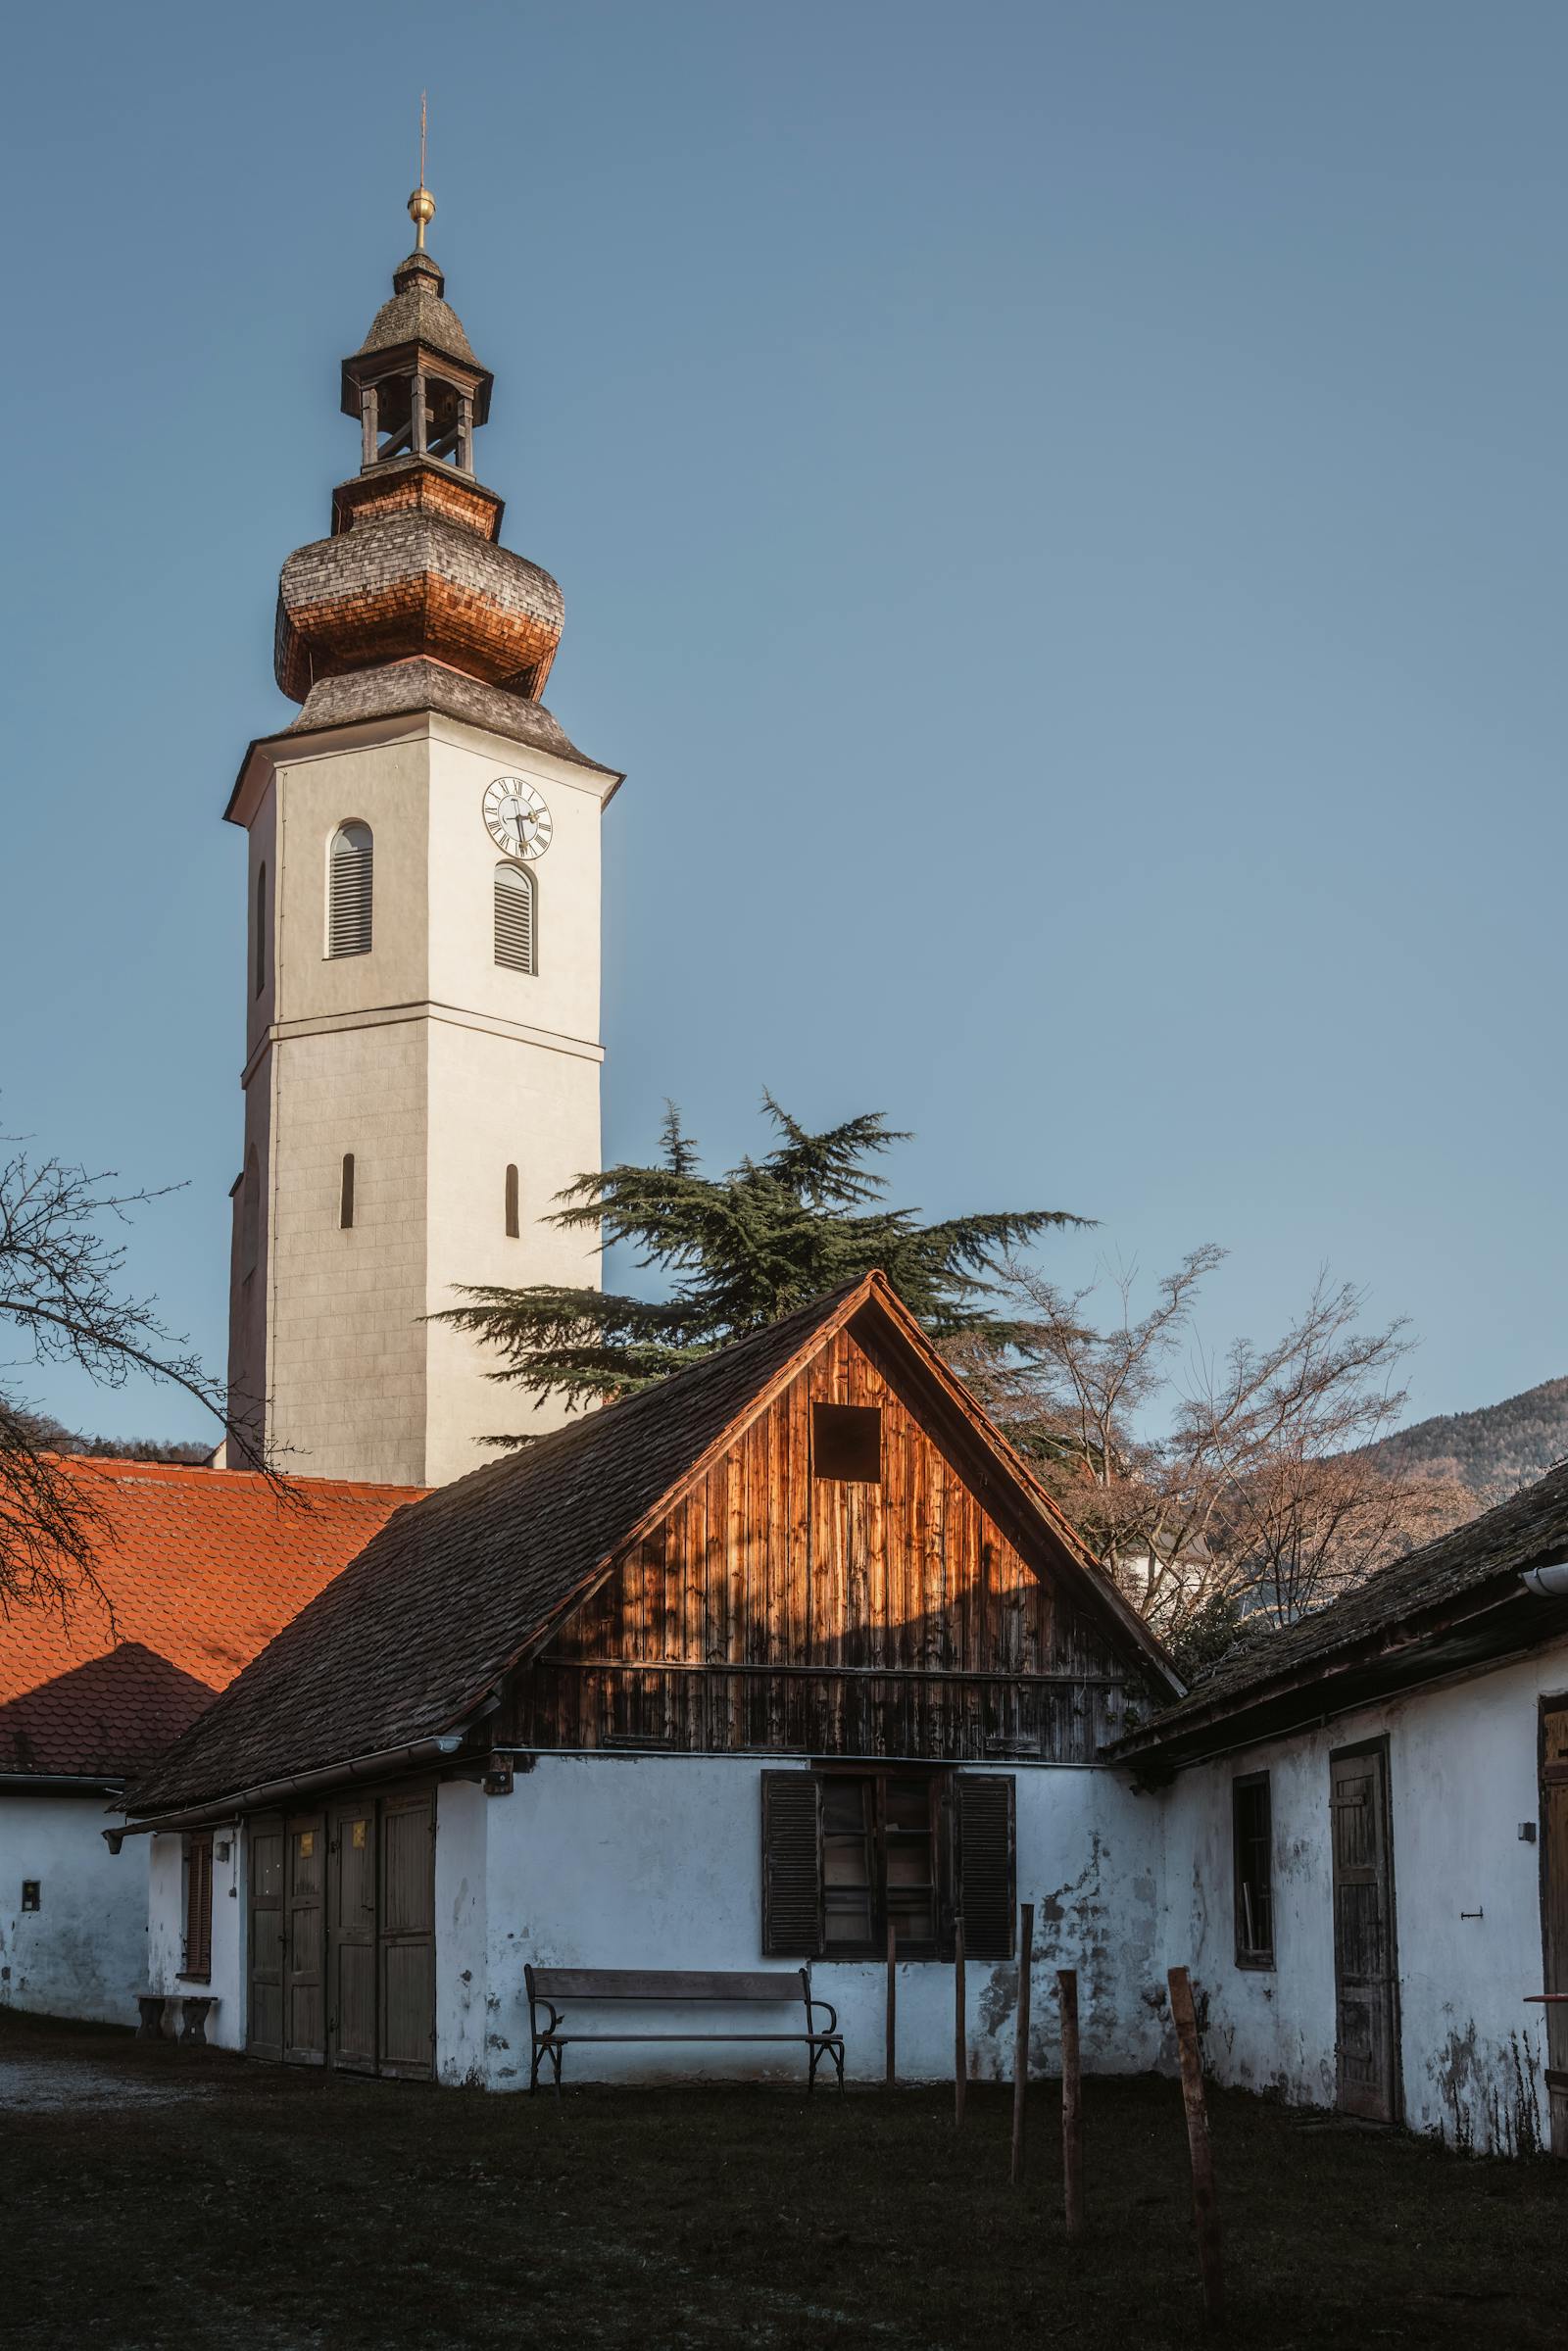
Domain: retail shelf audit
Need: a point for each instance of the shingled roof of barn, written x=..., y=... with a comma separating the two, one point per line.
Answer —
x=453, y=1593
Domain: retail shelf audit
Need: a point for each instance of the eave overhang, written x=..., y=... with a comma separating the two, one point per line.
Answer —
x=1491, y=1622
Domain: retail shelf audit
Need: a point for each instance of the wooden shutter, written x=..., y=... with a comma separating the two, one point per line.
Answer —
x=198, y=1909
x=792, y=1865
x=515, y=924
x=263, y=2024
x=408, y=1936
x=986, y=1870
x=351, y=891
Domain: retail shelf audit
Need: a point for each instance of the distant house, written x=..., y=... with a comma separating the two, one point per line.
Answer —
x=199, y=1568
x=1366, y=1839
x=746, y=1667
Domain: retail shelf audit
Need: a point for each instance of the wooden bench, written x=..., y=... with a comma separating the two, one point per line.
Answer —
x=774, y=1988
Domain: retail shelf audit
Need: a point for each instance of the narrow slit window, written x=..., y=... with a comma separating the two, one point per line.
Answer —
x=345, y=1198
x=250, y=1215
x=516, y=926
x=1252, y=1829
x=351, y=880
x=514, y=1227
x=198, y=1960
x=847, y=1443
x=261, y=927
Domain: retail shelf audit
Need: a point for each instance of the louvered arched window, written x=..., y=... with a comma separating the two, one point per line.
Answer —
x=349, y=891
x=516, y=918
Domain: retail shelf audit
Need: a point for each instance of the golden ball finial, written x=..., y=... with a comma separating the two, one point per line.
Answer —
x=422, y=210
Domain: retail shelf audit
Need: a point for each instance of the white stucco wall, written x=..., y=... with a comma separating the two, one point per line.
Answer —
x=656, y=1861
x=82, y=1953
x=166, y=1931
x=1463, y=1776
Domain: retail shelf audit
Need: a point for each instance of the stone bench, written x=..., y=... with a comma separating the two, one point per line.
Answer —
x=157, y=2023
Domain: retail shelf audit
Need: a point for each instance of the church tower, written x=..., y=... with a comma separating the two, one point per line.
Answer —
x=422, y=1065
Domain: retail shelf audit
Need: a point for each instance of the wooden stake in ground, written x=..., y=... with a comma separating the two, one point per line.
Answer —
x=960, y=2033
x=1072, y=2106
x=1020, y=2045
x=1206, y=2202
x=893, y=2004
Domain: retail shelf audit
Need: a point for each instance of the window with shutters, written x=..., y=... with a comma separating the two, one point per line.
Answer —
x=1253, y=1839
x=197, y=1964
x=516, y=918
x=845, y=1851
x=350, y=889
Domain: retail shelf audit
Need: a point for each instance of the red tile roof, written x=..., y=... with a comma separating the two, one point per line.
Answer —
x=200, y=1568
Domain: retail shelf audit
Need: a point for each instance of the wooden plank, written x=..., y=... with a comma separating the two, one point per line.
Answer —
x=669, y=1984
x=1020, y=2037
x=1072, y=2106
x=1205, y=2199
x=960, y=2031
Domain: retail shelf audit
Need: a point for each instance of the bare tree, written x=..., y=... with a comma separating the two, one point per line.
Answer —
x=61, y=1295
x=1255, y=1488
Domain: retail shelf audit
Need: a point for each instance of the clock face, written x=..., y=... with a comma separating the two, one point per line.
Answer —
x=518, y=818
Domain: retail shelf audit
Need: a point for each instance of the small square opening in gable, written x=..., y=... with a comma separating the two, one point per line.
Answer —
x=847, y=1443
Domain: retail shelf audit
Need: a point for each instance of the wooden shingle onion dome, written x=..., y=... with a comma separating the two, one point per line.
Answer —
x=414, y=568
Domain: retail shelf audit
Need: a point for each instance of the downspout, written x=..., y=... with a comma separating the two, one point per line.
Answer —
x=361, y=1767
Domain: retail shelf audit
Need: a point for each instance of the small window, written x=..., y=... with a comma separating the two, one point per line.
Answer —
x=345, y=1195
x=847, y=1443
x=844, y=1853
x=31, y=1895
x=515, y=928
x=513, y=1226
x=198, y=1960
x=349, y=890
x=1254, y=1887
x=250, y=1215
x=261, y=927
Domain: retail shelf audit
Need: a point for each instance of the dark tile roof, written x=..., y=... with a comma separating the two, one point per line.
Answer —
x=417, y=313
x=1529, y=1530
x=199, y=1568
x=442, y=1601
x=421, y=684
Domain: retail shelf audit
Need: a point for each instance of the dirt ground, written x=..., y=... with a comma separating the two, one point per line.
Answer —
x=150, y=2197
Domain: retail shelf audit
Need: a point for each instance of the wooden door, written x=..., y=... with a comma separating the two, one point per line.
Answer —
x=1554, y=1908
x=407, y=2035
x=1365, y=1963
x=264, y=2016
x=305, y=1935
x=351, y=1939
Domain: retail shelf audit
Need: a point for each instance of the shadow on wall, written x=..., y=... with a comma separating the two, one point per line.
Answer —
x=112, y=1715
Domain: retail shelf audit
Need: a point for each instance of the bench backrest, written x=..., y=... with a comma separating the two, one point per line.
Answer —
x=665, y=1984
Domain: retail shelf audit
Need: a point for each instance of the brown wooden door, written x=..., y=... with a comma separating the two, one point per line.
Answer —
x=351, y=1939
x=1365, y=1963
x=1554, y=1908
x=407, y=2035
x=264, y=2020
x=305, y=1935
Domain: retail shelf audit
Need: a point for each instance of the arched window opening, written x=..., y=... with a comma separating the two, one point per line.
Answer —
x=250, y=1215
x=514, y=1227
x=516, y=929
x=261, y=927
x=349, y=890
x=345, y=1198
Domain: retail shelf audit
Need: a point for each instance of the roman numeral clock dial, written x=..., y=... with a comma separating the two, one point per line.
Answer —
x=517, y=817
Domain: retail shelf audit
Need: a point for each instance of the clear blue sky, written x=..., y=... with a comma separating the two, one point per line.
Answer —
x=1063, y=516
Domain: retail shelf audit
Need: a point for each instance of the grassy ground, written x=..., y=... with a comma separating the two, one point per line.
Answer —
x=286, y=2211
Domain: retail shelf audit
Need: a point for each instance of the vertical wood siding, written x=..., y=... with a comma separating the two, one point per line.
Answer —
x=873, y=1619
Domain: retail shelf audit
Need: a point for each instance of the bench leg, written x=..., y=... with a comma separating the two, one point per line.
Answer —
x=153, y=2006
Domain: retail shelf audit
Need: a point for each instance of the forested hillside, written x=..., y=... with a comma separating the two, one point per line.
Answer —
x=1497, y=1449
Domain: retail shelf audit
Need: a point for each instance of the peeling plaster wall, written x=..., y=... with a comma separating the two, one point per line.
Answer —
x=656, y=1861
x=82, y=1953
x=461, y=1904
x=166, y=1931
x=1463, y=1776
